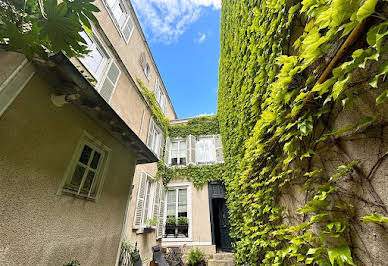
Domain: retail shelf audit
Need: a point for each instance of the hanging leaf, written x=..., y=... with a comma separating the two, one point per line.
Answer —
x=340, y=255
x=367, y=9
x=375, y=218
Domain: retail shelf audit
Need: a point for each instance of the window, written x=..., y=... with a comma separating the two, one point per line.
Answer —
x=149, y=202
x=178, y=152
x=155, y=139
x=101, y=66
x=177, y=207
x=97, y=60
x=144, y=65
x=121, y=17
x=160, y=97
x=205, y=150
x=87, y=168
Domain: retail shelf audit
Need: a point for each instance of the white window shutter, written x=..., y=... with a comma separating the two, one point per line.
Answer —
x=219, y=149
x=161, y=146
x=127, y=29
x=157, y=90
x=160, y=225
x=150, y=133
x=140, y=201
x=110, y=82
x=155, y=213
x=191, y=141
x=167, y=151
x=163, y=103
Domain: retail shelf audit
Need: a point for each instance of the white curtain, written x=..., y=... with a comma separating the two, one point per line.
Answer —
x=205, y=151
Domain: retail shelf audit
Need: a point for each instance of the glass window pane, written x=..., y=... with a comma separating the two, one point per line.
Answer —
x=85, y=155
x=171, y=203
x=95, y=160
x=94, y=60
x=182, y=161
x=182, y=149
x=174, y=161
x=174, y=149
x=182, y=201
x=88, y=181
x=77, y=176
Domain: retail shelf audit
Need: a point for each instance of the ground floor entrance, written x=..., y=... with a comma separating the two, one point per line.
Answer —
x=219, y=217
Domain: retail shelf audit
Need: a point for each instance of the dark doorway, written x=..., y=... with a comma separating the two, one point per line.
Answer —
x=219, y=217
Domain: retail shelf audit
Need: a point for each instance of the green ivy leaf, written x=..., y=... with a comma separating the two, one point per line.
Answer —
x=375, y=218
x=367, y=9
x=340, y=255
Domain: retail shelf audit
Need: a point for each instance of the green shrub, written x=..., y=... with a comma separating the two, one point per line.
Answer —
x=171, y=220
x=183, y=221
x=196, y=256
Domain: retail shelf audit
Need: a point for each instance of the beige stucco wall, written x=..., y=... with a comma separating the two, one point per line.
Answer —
x=130, y=53
x=38, y=227
x=9, y=63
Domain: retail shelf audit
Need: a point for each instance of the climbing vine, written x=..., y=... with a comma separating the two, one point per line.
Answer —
x=203, y=125
x=287, y=69
x=161, y=120
x=200, y=175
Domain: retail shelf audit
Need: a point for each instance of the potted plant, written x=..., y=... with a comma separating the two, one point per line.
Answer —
x=196, y=257
x=150, y=225
x=170, y=225
x=183, y=226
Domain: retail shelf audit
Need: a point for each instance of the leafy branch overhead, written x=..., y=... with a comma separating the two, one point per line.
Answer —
x=40, y=27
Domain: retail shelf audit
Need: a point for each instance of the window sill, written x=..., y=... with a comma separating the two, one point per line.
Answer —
x=71, y=192
x=145, y=230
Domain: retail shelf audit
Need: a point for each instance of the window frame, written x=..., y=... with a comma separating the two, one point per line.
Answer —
x=150, y=208
x=99, y=44
x=120, y=25
x=155, y=128
x=160, y=96
x=189, y=212
x=101, y=170
x=212, y=137
x=179, y=140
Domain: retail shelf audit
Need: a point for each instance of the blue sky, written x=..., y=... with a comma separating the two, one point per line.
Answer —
x=184, y=39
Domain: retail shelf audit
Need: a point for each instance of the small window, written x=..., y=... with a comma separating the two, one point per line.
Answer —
x=121, y=17
x=87, y=169
x=177, y=208
x=178, y=152
x=160, y=97
x=155, y=139
x=147, y=71
x=97, y=59
x=205, y=151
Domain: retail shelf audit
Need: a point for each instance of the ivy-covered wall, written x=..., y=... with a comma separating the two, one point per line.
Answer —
x=303, y=114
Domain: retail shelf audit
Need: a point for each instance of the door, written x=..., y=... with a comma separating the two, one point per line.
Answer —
x=219, y=217
x=224, y=227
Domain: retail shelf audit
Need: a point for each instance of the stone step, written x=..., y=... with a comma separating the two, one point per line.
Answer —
x=214, y=262
x=223, y=256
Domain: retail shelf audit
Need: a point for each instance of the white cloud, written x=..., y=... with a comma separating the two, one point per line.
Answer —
x=166, y=20
x=202, y=37
x=205, y=114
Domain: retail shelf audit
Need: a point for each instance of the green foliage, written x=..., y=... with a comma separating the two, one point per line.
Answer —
x=196, y=256
x=161, y=120
x=151, y=222
x=375, y=218
x=204, y=125
x=271, y=111
x=171, y=220
x=183, y=221
x=198, y=174
x=36, y=28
